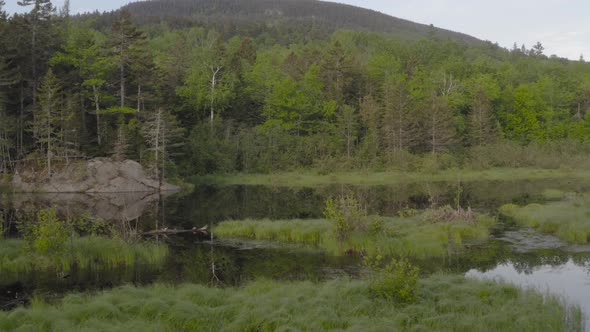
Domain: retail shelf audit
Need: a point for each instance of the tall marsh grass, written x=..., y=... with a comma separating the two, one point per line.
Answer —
x=568, y=219
x=413, y=236
x=444, y=303
x=83, y=252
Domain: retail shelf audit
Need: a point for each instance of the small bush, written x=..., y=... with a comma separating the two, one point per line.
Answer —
x=407, y=212
x=397, y=281
x=376, y=225
x=346, y=215
x=49, y=233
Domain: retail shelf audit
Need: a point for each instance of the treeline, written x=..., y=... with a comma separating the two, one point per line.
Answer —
x=197, y=100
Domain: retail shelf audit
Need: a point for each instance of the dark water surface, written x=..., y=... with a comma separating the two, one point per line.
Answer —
x=516, y=255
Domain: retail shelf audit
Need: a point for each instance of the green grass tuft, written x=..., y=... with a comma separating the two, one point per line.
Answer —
x=444, y=303
x=398, y=236
x=85, y=252
x=568, y=219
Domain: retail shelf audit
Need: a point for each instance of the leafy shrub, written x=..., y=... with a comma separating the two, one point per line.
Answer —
x=376, y=225
x=49, y=233
x=397, y=281
x=407, y=212
x=346, y=215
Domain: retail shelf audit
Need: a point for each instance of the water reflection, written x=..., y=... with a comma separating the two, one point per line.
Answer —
x=198, y=260
x=569, y=280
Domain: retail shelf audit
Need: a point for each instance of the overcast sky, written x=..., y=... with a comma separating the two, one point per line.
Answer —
x=562, y=26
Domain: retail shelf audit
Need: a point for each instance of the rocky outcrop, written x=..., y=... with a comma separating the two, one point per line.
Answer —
x=99, y=175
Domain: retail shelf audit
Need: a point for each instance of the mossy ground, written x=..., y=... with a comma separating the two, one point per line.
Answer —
x=445, y=303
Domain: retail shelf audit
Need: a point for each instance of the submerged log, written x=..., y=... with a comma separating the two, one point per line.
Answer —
x=166, y=231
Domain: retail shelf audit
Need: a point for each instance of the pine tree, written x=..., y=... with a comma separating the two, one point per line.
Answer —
x=399, y=124
x=124, y=37
x=46, y=116
x=440, y=125
x=481, y=128
x=163, y=136
x=347, y=125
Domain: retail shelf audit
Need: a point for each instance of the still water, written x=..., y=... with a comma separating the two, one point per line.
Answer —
x=516, y=255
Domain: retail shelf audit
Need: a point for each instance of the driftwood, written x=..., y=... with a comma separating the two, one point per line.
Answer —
x=166, y=231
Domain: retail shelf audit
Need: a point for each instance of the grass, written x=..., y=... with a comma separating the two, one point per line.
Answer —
x=413, y=236
x=83, y=252
x=569, y=219
x=445, y=303
x=310, y=178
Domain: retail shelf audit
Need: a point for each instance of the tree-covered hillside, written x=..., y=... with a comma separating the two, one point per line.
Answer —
x=307, y=16
x=236, y=92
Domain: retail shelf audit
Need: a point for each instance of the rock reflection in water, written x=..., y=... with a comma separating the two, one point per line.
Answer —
x=106, y=206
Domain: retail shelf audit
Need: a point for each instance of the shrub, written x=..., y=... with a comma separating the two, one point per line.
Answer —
x=49, y=233
x=376, y=225
x=346, y=215
x=397, y=281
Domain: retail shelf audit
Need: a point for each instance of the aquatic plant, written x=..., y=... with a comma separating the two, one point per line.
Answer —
x=568, y=219
x=444, y=303
x=414, y=236
x=83, y=252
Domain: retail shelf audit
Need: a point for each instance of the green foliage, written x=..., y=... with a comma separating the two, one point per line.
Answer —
x=415, y=236
x=49, y=234
x=346, y=215
x=406, y=212
x=397, y=281
x=448, y=214
x=89, y=252
x=289, y=96
x=376, y=225
x=445, y=303
x=118, y=110
x=566, y=218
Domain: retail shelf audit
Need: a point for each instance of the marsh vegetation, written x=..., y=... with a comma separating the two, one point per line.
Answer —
x=443, y=303
x=567, y=215
x=398, y=265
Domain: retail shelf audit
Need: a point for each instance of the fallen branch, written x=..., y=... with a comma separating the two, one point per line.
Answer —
x=166, y=231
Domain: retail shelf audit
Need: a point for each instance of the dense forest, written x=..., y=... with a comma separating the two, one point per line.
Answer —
x=194, y=91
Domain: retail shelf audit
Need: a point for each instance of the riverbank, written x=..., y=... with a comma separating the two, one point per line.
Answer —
x=310, y=178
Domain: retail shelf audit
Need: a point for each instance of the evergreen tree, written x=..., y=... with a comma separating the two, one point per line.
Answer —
x=347, y=125
x=45, y=122
x=124, y=37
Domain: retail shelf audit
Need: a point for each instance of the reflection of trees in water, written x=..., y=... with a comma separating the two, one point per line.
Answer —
x=489, y=256
x=235, y=266
x=582, y=259
x=527, y=262
x=214, y=204
x=130, y=213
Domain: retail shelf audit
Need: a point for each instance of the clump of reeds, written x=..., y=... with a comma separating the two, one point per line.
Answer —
x=84, y=252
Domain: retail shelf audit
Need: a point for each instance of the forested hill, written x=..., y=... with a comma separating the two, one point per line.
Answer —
x=324, y=17
x=214, y=93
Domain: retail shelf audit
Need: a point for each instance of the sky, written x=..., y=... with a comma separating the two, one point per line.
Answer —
x=562, y=26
